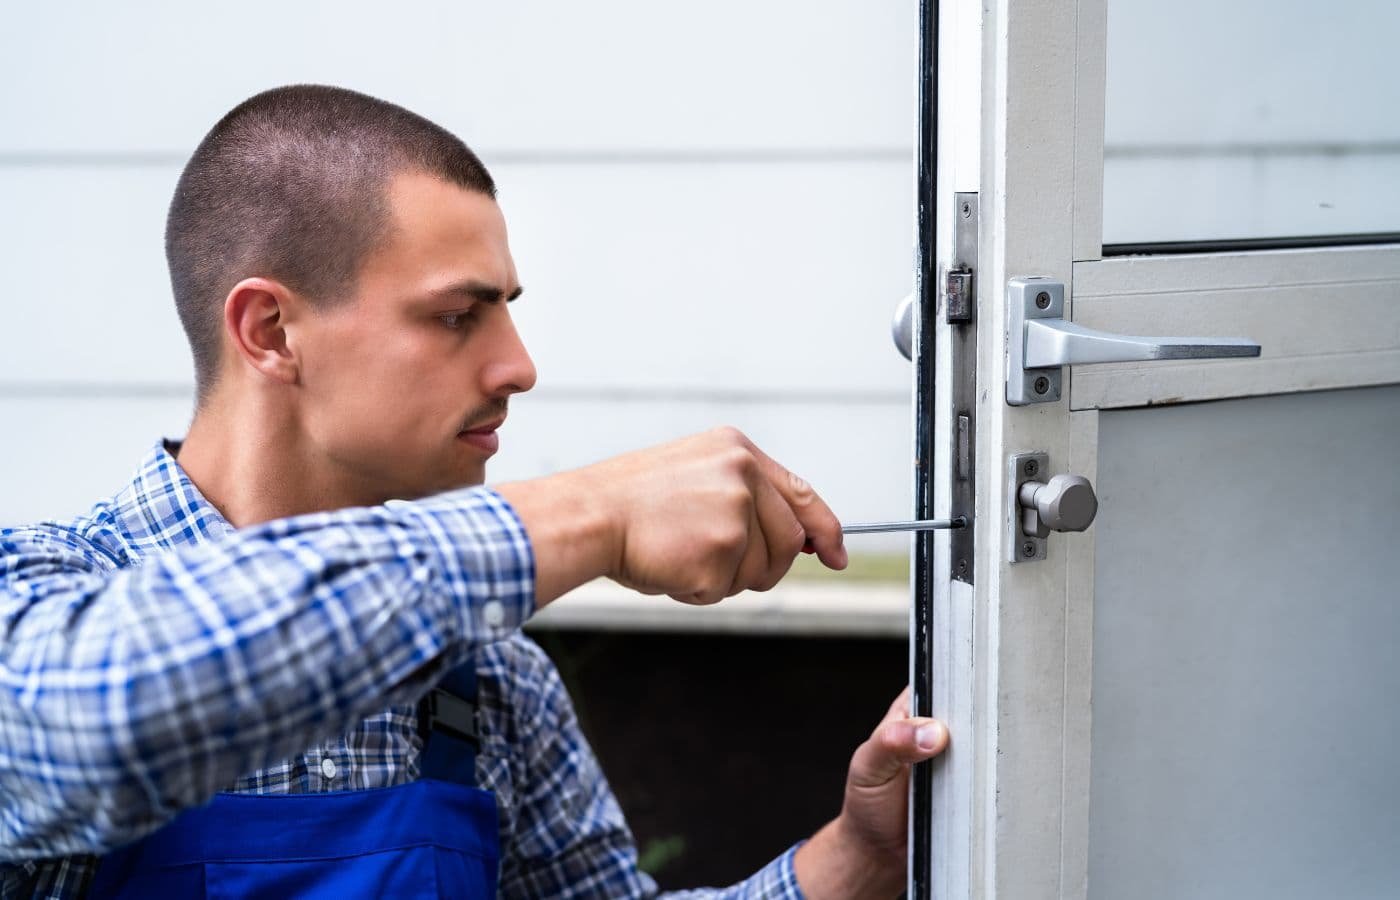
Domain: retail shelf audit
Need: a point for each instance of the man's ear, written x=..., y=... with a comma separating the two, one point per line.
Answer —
x=256, y=313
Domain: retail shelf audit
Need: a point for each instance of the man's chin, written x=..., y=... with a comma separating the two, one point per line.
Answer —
x=459, y=480
x=455, y=481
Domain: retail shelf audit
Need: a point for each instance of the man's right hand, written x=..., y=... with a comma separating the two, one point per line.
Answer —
x=700, y=519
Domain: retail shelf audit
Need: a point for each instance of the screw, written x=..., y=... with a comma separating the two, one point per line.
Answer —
x=962, y=565
x=1042, y=300
x=967, y=210
x=1042, y=384
x=1028, y=549
x=1032, y=467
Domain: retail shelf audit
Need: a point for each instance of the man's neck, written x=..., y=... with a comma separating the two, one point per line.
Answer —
x=252, y=463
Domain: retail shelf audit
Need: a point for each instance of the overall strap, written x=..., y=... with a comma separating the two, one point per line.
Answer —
x=447, y=722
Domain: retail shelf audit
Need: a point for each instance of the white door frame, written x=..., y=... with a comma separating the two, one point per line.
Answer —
x=1022, y=86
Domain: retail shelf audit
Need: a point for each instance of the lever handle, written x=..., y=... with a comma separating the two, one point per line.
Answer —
x=1055, y=342
x=1041, y=342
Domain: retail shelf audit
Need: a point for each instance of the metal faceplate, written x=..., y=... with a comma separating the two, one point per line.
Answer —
x=960, y=311
x=1021, y=468
x=1030, y=298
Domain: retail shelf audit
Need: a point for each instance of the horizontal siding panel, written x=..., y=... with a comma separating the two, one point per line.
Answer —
x=541, y=76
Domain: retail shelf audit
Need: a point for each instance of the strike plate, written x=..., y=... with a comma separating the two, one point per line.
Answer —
x=1023, y=467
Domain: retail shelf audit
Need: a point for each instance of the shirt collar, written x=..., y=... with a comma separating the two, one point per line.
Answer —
x=162, y=508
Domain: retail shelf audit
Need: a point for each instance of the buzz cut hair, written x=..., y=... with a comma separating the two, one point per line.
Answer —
x=292, y=185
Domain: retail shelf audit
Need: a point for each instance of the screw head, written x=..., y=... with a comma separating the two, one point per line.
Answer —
x=1028, y=549
x=967, y=210
x=1042, y=300
x=1032, y=467
x=962, y=565
x=1042, y=384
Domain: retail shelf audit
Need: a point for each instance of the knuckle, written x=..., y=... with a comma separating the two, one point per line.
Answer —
x=800, y=490
x=731, y=538
x=730, y=529
x=721, y=555
x=738, y=499
x=712, y=590
x=795, y=540
x=728, y=434
x=890, y=736
x=738, y=460
x=768, y=580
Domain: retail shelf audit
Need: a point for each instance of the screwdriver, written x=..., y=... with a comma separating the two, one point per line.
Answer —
x=914, y=525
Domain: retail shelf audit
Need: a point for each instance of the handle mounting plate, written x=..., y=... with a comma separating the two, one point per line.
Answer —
x=1030, y=298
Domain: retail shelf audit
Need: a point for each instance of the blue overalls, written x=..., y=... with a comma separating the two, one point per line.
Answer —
x=435, y=837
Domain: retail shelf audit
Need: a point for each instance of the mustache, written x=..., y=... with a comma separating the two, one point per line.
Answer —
x=484, y=414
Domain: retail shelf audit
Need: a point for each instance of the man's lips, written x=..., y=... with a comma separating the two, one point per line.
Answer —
x=483, y=437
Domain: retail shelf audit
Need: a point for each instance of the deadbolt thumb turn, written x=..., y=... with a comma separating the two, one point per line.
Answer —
x=1064, y=503
x=1042, y=503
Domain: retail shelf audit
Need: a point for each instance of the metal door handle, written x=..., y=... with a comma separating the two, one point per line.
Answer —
x=1055, y=342
x=1041, y=343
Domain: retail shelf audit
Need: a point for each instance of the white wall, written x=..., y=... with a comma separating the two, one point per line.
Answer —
x=710, y=207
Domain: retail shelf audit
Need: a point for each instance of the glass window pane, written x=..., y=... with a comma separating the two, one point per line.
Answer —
x=1240, y=119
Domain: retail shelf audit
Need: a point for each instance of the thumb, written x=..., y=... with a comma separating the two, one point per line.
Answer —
x=894, y=745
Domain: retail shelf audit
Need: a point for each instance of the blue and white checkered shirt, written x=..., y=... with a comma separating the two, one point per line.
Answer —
x=151, y=655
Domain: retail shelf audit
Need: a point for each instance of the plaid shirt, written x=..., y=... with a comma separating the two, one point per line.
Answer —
x=151, y=655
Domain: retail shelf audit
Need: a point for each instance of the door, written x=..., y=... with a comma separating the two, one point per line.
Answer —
x=1196, y=696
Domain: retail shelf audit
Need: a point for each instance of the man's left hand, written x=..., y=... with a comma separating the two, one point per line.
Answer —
x=861, y=853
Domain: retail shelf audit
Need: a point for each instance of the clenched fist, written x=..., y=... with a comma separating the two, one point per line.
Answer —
x=700, y=519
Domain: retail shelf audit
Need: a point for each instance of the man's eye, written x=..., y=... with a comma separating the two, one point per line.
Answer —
x=456, y=320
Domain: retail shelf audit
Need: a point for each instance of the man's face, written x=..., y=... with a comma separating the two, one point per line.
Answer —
x=403, y=386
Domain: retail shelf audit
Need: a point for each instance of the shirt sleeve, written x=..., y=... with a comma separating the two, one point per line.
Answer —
x=775, y=881
x=571, y=839
x=129, y=694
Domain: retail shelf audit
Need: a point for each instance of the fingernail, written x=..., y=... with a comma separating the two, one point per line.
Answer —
x=928, y=736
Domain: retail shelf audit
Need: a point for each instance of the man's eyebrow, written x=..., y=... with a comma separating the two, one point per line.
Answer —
x=481, y=291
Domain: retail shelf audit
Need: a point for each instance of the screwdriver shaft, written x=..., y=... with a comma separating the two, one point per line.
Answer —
x=916, y=525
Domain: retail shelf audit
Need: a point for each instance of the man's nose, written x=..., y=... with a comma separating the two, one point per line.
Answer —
x=511, y=370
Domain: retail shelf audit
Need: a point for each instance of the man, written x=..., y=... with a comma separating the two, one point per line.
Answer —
x=208, y=684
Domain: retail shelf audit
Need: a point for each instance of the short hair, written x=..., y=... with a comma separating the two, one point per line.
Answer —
x=292, y=184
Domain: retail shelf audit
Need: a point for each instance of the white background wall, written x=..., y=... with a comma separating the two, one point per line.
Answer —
x=710, y=207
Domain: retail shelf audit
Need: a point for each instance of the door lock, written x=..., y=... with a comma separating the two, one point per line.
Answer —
x=1041, y=504
x=1064, y=503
